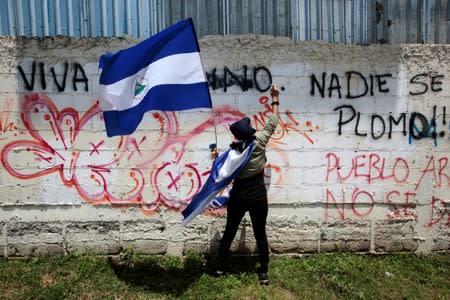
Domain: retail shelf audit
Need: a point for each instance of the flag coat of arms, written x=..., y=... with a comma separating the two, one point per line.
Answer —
x=164, y=72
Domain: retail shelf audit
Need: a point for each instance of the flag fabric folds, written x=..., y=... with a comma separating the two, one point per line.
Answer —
x=164, y=72
x=225, y=168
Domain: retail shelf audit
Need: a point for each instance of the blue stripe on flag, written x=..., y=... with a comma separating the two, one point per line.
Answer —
x=176, y=39
x=162, y=97
x=211, y=188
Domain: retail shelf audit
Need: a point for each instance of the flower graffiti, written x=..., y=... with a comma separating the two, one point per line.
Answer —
x=151, y=168
x=59, y=145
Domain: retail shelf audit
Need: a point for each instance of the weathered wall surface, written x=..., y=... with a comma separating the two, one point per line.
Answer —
x=359, y=161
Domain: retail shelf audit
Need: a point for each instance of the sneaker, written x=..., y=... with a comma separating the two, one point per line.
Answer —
x=264, y=278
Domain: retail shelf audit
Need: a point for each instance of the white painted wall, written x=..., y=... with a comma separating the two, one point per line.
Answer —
x=338, y=179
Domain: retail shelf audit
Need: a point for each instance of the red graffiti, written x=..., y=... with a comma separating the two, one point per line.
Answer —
x=371, y=167
x=6, y=125
x=361, y=203
x=56, y=147
x=440, y=211
x=181, y=184
x=136, y=146
x=60, y=142
x=285, y=126
x=439, y=174
x=404, y=210
x=95, y=147
x=176, y=181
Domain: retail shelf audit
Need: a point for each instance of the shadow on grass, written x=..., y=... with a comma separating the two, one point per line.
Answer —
x=171, y=275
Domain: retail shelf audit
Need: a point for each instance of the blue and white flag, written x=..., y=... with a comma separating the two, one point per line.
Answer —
x=164, y=72
x=225, y=168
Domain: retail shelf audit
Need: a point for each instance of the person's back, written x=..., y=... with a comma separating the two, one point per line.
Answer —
x=258, y=158
x=249, y=192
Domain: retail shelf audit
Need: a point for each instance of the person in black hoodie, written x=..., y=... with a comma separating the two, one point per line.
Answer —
x=249, y=191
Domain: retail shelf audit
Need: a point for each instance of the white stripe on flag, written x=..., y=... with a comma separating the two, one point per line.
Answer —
x=188, y=68
x=234, y=161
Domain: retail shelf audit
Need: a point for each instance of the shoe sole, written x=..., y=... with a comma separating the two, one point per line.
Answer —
x=264, y=282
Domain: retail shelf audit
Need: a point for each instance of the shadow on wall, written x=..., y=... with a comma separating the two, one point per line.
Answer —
x=243, y=243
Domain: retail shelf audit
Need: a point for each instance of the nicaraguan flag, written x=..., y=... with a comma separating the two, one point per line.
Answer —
x=225, y=168
x=164, y=72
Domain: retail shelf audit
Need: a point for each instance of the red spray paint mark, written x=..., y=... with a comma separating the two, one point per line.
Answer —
x=440, y=211
x=372, y=167
x=405, y=210
x=59, y=154
x=439, y=174
x=285, y=126
x=95, y=147
x=354, y=205
x=5, y=124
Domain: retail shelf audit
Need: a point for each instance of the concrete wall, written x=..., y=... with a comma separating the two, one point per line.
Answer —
x=359, y=161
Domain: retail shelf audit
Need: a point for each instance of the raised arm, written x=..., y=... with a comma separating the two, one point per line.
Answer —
x=275, y=93
x=265, y=134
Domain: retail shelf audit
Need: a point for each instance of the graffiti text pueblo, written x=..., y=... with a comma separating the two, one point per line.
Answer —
x=371, y=170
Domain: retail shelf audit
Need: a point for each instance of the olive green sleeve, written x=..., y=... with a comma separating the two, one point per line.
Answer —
x=265, y=134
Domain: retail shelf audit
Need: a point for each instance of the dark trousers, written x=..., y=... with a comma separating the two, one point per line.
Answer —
x=236, y=209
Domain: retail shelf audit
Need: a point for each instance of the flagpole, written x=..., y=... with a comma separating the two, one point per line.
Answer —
x=214, y=123
x=213, y=115
x=206, y=80
x=212, y=108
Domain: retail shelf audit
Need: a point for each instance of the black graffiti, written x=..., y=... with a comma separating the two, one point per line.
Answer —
x=61, y=87
x=369, y=85
x=444, y=121
x=396, y=122
x=78, y=68
x=418, y=126
x=78, y=76
x=372, y=127
x=421, y=86
x=259, y=78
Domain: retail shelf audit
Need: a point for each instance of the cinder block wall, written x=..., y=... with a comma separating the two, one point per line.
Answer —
x=359, y=161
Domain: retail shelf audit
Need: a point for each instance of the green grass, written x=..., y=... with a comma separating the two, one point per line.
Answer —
x=321, y=276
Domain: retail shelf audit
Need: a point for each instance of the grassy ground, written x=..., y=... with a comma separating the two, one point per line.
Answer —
x=334, y=276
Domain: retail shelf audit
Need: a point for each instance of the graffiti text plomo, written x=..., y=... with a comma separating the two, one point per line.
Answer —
x=414, y=125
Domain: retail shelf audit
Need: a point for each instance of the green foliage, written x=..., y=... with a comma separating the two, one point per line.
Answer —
x=132, y=276
x=128, y=256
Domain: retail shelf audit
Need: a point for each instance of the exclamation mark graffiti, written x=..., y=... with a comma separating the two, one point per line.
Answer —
x=443, y=115
x=444, y=122
x=433, y=126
